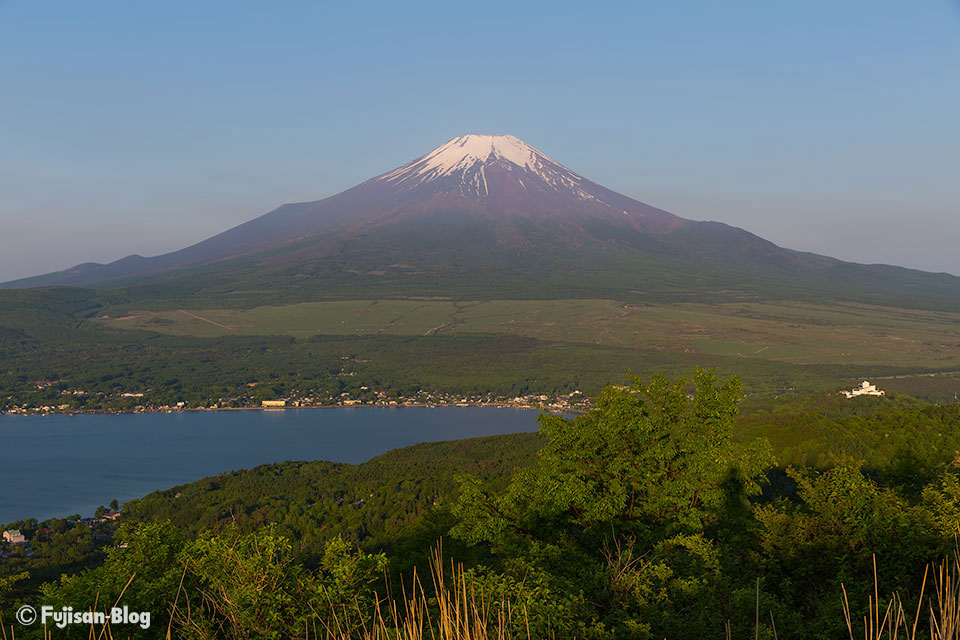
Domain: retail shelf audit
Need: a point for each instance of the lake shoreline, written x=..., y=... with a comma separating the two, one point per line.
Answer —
x=89, y=459
x=498, y=405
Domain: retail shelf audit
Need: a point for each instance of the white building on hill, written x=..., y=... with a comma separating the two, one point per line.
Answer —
x=865, y=389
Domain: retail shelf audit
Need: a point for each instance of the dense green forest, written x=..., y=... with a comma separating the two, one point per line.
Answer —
x=672, y=509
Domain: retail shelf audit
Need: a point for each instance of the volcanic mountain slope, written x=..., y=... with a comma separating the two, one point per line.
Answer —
x=492, y=216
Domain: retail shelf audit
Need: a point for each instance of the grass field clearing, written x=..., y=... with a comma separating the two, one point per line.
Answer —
x=797, y=333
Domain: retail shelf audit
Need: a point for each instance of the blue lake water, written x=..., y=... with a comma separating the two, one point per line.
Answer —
x=57, y=465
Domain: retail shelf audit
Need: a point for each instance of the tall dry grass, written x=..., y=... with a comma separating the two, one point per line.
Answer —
x=459, y=612
x=893, y=621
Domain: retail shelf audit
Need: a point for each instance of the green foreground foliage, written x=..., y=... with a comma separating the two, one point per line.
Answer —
x=656, y=515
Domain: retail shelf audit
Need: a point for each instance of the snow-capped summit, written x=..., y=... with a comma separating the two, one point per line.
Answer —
x=463, y=152
x=466, y=159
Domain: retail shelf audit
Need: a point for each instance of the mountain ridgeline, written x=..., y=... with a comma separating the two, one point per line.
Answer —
x=486, y=216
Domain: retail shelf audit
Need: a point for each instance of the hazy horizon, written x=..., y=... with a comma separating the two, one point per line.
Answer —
x=144, y=129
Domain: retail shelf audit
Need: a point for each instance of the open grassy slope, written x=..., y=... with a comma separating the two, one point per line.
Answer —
x=111, y=342
x=789, y=332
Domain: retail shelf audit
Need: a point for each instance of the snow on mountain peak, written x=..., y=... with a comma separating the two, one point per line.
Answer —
x=465, y=157
x=465, y=151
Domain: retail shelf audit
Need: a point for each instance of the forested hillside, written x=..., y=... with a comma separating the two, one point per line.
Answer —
x=58, y=353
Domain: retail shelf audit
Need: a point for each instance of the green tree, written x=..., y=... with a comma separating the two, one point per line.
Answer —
x=251, y=586
x=7, y=588
x=830, y=536
x=620, y=501
x=143, y=567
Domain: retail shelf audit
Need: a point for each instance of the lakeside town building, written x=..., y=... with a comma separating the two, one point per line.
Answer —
x=13, y=536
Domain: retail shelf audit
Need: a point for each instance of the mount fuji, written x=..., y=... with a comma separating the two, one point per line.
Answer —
x=491, y=216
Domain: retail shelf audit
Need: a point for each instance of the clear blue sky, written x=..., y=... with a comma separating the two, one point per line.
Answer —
x=141, y=127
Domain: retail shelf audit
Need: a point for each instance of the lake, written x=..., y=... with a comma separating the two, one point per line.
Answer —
x=58, y=465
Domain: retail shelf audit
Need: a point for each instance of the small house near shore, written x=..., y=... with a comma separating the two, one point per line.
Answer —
x=13, y=536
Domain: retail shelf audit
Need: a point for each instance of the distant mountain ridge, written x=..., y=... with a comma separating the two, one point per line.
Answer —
x=494, y=207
